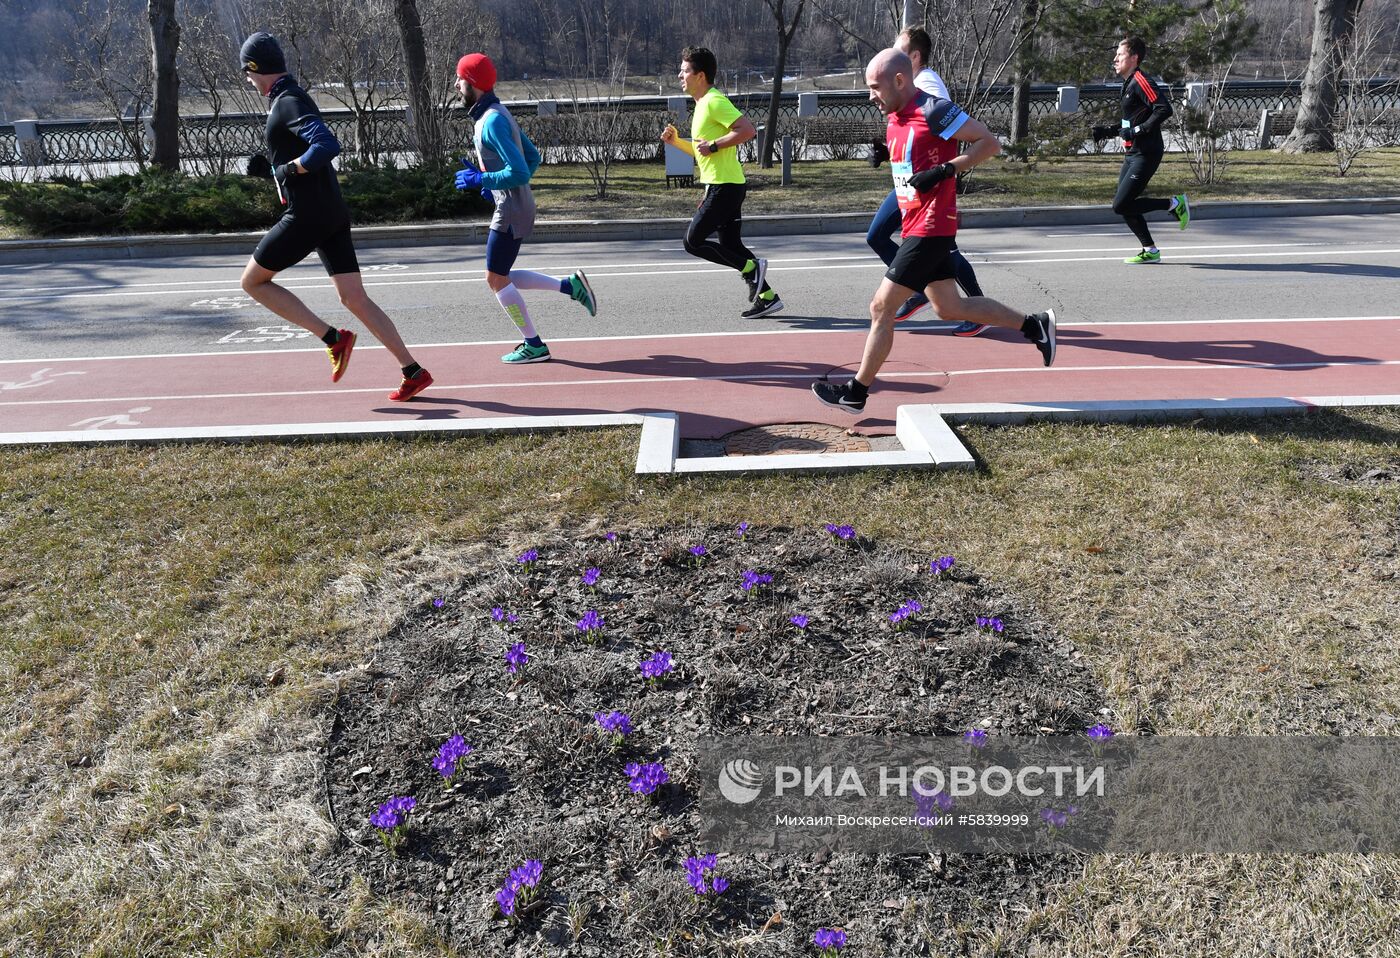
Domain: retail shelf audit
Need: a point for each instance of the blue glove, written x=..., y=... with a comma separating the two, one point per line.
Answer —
x=487, y=195
x=469, y=178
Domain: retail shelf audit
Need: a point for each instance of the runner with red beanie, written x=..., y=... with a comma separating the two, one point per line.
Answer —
x=506, y=160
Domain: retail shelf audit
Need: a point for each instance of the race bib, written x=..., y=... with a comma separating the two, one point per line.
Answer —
x=907, y=196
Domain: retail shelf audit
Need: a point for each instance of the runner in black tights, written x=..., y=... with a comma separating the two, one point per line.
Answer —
x=1145, y=109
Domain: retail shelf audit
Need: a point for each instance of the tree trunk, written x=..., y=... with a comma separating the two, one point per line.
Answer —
x=420, y=103
x=785, y=34
x=1021, y=91
x=165, y=112
x=1333, y=21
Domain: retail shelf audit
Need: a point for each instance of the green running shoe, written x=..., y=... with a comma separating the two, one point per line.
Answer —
x=1182, y=211
x=583, y=293
x=525, y=353
x=1145, y=256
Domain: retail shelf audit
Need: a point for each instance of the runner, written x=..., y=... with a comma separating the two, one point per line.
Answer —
x=716, y=130
x=1145, y=109
x=507, y=160
x=915, y=43
x=925, y=162
x=301, y=147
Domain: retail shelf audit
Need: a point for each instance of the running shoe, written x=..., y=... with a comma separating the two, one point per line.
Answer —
x=970, y=329
x=838, y=397
x=583, y=292
x=340, y=353
x=1182, y=211
x=412, y=386
x=911, y=306
x=764, y=307
x=1045, y=335
x=525, y=353
x=754, y=278
x=1144, y=256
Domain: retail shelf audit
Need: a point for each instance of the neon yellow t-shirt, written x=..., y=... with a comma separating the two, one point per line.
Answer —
x=714, y=115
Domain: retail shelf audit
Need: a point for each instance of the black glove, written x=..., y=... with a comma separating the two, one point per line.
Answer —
x=879, y=153
x=1104, y=133
x=1127, y=133
x=284, y=171
x=259, y=166
x=925, y=180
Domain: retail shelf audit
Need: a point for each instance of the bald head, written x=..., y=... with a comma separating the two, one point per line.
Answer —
x=890, y=78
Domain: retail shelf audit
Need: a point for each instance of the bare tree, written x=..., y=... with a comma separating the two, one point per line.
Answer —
x=361, y=56
x=1333, y=24
x=106, y=61
x=426, y=132
x=786, y=28
x=1363, y=118
x=165, y=114
x=1025, y=64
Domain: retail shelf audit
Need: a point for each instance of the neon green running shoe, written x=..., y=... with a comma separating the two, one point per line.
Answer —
x=1145, y=256
x=583, y=293
x=1182, y=211
x=525, y=353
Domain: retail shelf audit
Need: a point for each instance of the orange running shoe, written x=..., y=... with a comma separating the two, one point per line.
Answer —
x=412, y=386
x=340, y=353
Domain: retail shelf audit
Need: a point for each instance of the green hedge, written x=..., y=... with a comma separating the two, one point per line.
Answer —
x=155, y=202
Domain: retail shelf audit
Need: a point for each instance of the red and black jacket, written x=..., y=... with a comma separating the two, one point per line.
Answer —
x=1145, y=109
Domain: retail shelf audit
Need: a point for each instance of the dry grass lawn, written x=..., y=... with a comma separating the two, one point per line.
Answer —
x=175, y=619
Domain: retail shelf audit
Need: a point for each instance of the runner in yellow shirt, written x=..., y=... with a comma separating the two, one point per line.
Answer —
x=716, y=131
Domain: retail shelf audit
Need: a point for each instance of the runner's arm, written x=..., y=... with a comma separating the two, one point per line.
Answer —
x=685, y=146
x=980, y=145
x=532, y=154
x=1161, y=112
x=496, y=134
x=740, y=131
x=321, y=144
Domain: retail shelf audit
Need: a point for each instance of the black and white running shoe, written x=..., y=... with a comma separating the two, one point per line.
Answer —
x=1045, y=335
x=763, y=307
x=838, y=397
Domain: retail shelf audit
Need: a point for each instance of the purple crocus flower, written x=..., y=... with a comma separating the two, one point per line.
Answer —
x=590, y=577
x=610, y=537
x=590, y=625
x=499, y=614
x=697, y=868
x=618, y=723
x=975, y=737
x=990, y=623
x=516, y=658
x=799, y=620
x=742, y=528
x=829, y=940
x=844, y=533
x=450, y=756
x=940, y=565
x=655, y=667
x=646, y=777
x=505, y=901
x=1100, y=733
x=754, y=579
x=391, y=818
x=697, y=553
x=439, y=602
x=528, y=557
x=905, y=611
x=519, y=888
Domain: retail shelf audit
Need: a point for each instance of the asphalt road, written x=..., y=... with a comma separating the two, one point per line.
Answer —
x=1259, y=269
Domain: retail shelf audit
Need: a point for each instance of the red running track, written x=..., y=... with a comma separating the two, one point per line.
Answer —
x=718, y=383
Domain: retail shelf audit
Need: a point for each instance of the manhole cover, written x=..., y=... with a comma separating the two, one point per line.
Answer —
x=792, y=438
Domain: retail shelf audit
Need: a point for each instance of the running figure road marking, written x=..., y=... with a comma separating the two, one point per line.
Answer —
x=120, y=419
x=223, y=302
x=382, y=268
x=40, y=377
x=264, y=334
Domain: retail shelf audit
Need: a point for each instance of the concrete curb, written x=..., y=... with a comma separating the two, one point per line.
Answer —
x=88, y=249
x=923, y=429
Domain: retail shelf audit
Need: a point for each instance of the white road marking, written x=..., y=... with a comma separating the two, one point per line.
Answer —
x=439, y=388
x=727, y=334
x=40, y=377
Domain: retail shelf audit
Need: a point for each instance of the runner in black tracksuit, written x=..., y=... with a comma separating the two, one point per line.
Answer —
x=301, y=147
x=1145, y=109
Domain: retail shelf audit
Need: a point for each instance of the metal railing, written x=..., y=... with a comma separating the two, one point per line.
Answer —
x=561, y=133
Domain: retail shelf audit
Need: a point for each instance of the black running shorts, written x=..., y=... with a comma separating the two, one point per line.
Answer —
x=293, y=238
x=922, y=260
